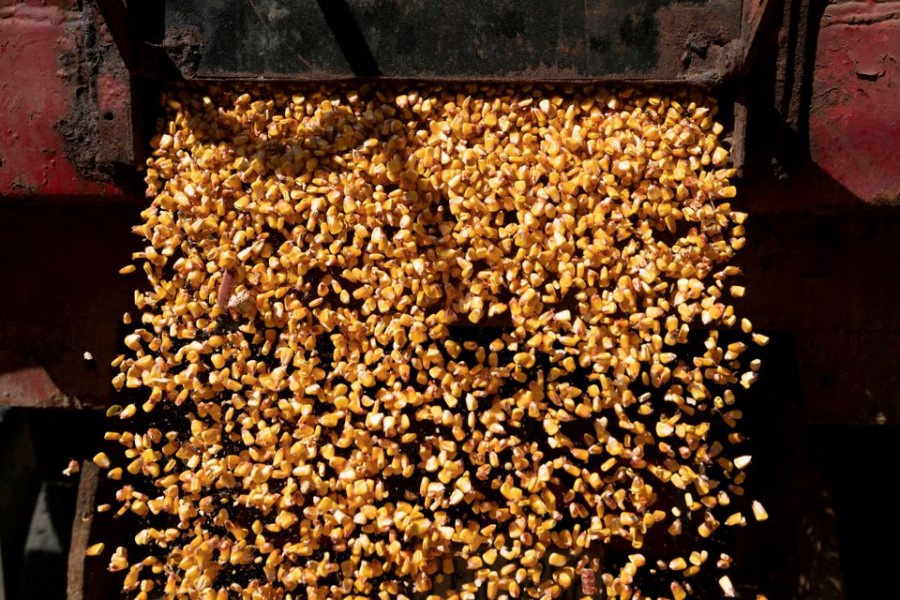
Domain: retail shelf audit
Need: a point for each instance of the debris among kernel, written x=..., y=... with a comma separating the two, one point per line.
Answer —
x=399, y=336
x=73, y=467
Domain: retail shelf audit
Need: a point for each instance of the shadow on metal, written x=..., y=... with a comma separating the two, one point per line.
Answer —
x=349, y=37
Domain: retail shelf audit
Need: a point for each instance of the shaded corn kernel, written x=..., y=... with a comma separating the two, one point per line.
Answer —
x=101, y=460
x=727, y=586
x=403, y=266
x=557, y=560
x=759, y=511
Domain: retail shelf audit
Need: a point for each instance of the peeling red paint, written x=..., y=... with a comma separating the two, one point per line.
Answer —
x=854, y=112
x=34, y=98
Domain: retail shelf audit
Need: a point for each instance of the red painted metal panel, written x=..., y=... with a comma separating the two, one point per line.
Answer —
x=855, y=108
x=32, y=387
x=42, y=86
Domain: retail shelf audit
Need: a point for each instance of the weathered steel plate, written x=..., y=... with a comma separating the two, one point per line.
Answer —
x=505, y=40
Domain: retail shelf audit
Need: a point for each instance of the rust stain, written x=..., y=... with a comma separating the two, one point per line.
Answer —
x=184, y=45
x=83, y=62
x=40, y=45
x=700, y=42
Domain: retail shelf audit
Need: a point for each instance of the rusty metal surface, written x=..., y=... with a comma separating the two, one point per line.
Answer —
x=81, y=531
x=757, y=16
x=854, y=110
x=65, y=105
x=795, y=45
x=653, y=40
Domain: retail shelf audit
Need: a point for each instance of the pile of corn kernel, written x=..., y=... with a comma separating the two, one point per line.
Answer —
x=433, y=343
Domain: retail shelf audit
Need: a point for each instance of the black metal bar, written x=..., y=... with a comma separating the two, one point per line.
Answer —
x=437, y=40
x=350, y=38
